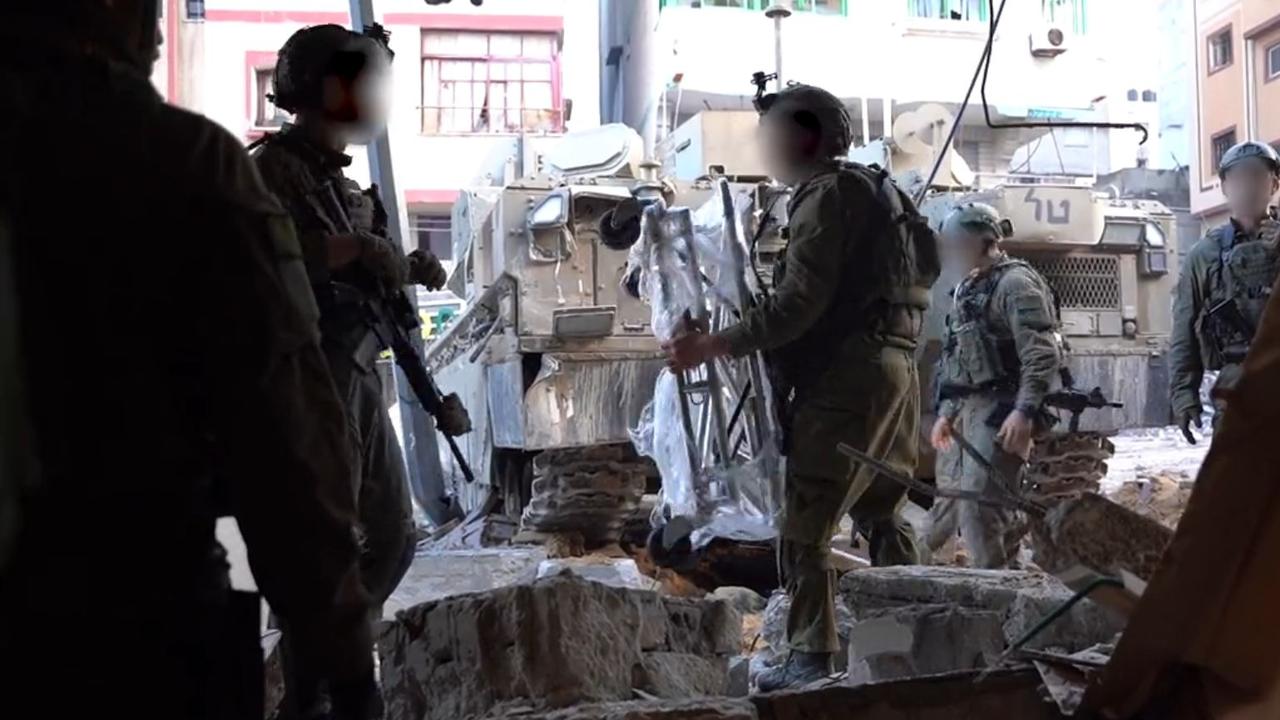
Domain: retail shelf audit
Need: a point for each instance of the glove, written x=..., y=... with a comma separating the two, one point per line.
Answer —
x=425, y=269
x=453, y=419
x=1186, y=419
x=1269, y=232
x=384, y=260
x=356, y=700
x=360, y=210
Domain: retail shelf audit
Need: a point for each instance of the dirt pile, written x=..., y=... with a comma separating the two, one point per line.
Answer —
x=1162, y=498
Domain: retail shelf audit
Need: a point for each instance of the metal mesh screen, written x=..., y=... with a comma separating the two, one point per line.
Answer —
x=1082, y=282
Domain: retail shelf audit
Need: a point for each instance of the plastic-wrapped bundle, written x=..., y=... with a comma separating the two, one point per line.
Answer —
x=711, y=431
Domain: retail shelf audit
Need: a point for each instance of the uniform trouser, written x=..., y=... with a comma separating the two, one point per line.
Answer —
x=385, y=508
x=885, y=423
x=991, y=535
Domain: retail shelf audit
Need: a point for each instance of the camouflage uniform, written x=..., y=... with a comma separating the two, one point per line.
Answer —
x=848, y=354
x=1000, y=353
x=1224, y=286
x=1225, y=264
x=297, y=170
x=169, y=351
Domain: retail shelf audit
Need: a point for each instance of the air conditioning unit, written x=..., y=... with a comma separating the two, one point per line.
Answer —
x=1049, y=41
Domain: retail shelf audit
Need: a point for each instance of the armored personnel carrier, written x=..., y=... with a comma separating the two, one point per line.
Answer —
x=554, y=357
x=1112, y=265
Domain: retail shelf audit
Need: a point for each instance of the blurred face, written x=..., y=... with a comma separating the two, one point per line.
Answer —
x=783, y=146
x=1249, y=187
x=961, y=248
x=359, y=106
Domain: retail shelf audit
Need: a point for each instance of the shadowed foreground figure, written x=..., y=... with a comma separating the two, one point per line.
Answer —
x=1202, y=641
x=169, y=358
x=841, y=330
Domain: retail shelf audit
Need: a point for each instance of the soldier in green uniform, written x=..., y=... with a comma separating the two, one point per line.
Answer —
x=841, y=329
x=165, y=340
x=1225, y=284
x=1000, y=357
x=331, y=79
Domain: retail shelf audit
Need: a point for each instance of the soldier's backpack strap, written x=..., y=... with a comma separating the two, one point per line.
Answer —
x=1224, y=238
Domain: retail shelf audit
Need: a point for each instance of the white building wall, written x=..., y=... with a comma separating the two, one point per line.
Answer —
x=1177, y=64
x=239, y=35
x=878, y=51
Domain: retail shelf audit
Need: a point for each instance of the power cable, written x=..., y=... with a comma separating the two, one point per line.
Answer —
x=982, y=71
x=993, y=23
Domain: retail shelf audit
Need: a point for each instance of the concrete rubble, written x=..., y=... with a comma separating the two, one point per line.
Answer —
x=1004, y=694
x=437, y=574
x=1089, y=535
x=920, y=620
x=556, y=642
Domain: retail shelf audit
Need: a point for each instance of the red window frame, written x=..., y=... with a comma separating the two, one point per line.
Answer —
x=477, y=116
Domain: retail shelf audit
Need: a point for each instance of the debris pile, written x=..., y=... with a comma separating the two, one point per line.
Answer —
x=1162, y=498
x=920, y=620
x=553, y=643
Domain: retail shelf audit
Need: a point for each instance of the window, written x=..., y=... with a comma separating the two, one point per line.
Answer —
x=1222, y=142
x=966, y=10
x=490, y=83
x=434, y=233
x=1273, y=62
x=1219, y=50
x=195, y=9
x=1066, y=13
x=266, y=114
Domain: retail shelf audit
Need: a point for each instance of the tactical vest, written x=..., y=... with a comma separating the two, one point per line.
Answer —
x=974, y=358
x=1240, y=282
x=325, y=196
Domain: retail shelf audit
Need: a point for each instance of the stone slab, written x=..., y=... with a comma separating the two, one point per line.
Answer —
x=553, y=643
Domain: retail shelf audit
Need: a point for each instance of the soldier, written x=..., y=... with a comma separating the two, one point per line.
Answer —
x=842, y=327
x=330, y=78
x=168, y=350
x=999, y=359
x=1225, y=284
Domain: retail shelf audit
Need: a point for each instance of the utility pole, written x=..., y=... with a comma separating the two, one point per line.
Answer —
x=778, y=12
x=421, y=451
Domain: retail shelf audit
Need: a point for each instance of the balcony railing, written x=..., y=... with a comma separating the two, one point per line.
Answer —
x=822, y=7
x=958, y=10
x=484, y=120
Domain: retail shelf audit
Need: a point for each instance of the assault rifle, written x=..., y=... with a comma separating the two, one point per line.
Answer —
x=1223, y=321
x=390, y=315
x=1076, y=401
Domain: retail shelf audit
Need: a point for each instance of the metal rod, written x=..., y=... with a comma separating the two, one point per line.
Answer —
x=912, y=484
x=737, y=252
x=683, y=229
x=777, y=50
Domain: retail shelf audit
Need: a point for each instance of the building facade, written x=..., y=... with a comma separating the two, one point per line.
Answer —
x=1051, y=59
x=479, y=92
x=1236, y=78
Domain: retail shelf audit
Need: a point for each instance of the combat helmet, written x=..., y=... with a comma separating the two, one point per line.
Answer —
x=977, y=217
x=312, y=53
x=833, y=123
x=1245, y=150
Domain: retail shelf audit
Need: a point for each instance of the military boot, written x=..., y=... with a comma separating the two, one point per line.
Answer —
x=799, y=669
